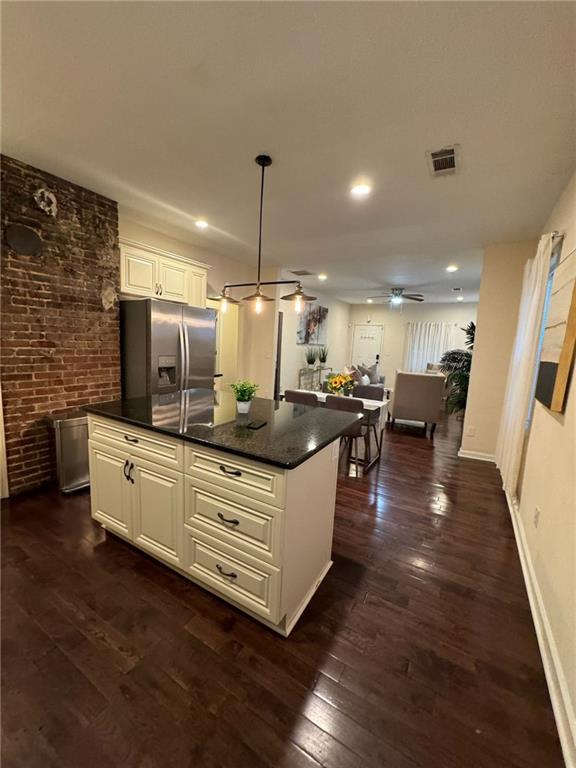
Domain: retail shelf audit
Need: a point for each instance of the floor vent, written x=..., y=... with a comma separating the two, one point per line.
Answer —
x=442, y=162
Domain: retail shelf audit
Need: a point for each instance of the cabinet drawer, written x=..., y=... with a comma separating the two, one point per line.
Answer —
x=139, y=442
x=248, y=525
x=249, y=583
x=250, y=478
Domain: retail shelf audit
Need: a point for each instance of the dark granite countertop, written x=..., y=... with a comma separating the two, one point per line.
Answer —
x=292, y=434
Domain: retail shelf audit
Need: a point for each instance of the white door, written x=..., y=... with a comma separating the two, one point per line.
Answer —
x=157, y=510
x=138, y=273
x=367, y=343
x=110, y=488
x=173, y=280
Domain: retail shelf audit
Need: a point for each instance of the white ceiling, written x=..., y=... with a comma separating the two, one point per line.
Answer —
x=163, y=106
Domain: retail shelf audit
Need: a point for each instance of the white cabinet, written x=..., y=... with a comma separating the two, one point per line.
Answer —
x=256, y=535
x=138, y=499
x=110, y=488
x=150, y=272
x=173, y=281
x=157, y=497
x=138, y=273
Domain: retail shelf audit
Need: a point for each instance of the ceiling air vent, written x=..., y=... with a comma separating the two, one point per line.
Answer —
x=301, y=273
x=442, y=162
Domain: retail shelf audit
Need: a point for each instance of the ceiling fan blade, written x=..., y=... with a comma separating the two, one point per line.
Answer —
x=381, y=296
x=413, y=296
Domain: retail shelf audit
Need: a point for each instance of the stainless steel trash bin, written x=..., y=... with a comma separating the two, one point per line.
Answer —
x=71, y=440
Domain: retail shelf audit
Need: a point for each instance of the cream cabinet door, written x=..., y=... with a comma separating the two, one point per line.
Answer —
x=173, y=280
x=138, y=272
x=157, y=510
x=197, y=289
x=110, y=488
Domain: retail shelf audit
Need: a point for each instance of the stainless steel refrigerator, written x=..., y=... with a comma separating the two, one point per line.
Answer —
x=166, y=347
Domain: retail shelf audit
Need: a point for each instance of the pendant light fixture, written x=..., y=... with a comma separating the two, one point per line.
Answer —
x=257, y=298
x=298, y=297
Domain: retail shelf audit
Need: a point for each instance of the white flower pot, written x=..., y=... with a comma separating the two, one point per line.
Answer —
x=243, y=407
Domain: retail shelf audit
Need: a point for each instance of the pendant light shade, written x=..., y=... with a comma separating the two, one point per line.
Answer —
x=225, y=299
x=299, y=298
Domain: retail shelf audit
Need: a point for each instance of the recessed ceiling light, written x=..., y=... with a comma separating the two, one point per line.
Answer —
x=322, y=276
x=452, y=268
x=360, y=191
x=202, y=224
x=369, y=301
x=459, y=298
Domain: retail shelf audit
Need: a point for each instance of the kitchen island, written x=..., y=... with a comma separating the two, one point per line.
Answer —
x=246, y=513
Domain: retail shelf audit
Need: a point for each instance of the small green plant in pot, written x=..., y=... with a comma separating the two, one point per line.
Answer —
x=244, y=392
x=311, y=356
x=323, y=355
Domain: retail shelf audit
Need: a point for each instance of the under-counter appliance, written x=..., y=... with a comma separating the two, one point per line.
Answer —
x=166, y=347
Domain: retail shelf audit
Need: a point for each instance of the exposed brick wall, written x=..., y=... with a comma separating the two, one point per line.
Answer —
x=60, y=342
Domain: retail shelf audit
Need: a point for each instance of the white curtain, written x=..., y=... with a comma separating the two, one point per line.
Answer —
x=523, y=366
x=426, y=343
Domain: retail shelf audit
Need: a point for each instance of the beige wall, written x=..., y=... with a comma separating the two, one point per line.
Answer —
x=395, y=328
x=337, y=331
x=500, y=292
x=549, y=484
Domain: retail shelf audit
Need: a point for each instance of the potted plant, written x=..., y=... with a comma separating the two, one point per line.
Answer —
x=244, y=392
x=457, y=364
x=322, y=355
x=311, y=356
x=340, y=383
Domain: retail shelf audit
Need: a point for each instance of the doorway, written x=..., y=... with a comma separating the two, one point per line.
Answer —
x=367, y=343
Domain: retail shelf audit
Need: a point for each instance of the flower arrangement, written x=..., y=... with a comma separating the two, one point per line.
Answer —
x=340, y=383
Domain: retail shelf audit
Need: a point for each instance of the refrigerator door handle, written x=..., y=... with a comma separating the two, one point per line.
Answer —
x=182, y=357
x=187, y=356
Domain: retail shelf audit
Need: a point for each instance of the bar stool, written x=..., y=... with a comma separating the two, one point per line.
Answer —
x=302, y=398
x=351, y=435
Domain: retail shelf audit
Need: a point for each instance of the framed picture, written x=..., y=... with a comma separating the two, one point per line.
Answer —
x=559, y=338
x=312, y=325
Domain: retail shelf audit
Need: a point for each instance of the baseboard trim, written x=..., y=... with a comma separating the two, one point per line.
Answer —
x=462, y=454
x=557, y=686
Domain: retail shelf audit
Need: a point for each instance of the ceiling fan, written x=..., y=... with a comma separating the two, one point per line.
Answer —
x=397, y=296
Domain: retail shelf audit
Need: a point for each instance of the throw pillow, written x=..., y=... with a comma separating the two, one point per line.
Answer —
x=372, y=372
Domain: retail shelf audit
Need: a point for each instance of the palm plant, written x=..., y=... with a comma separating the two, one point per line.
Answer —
x=457, y=364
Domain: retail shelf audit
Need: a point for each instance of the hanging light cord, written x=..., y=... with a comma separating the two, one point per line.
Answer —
x=260, y=223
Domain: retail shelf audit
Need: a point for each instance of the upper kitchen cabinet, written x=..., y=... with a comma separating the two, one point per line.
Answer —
x=149, y=272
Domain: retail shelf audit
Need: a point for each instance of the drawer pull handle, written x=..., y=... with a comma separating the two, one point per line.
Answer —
x=233, y=472
x=228, y=520
x=125, y=469
x=131, y=439
x=230, y=575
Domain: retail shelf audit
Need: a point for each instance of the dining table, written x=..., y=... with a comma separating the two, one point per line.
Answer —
x=375, y=412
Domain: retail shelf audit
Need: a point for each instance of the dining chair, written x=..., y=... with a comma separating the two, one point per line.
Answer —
x=371, y=418
x=351, y=435
x=302, y=398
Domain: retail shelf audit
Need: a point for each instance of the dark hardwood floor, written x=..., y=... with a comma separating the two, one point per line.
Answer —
x=418, y=649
